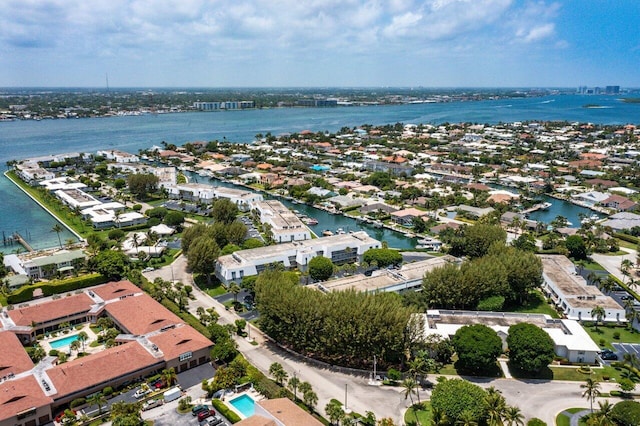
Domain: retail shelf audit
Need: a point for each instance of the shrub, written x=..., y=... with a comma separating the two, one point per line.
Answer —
x=53, y=352
x=77, y=402
x=493, y=303
x=616, y=335
x=626, y=413
x=455, y=397
x=394, y=375
x=536, y=422
x=107, y=391
x=225, y=411
x=25, y=293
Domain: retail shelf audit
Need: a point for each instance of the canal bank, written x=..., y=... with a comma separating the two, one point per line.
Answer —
x=326, y=220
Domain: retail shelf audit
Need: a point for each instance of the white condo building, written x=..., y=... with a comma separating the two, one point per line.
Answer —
x=285, y=225
x=570, y=292
x=339, y=248
x=199, y=192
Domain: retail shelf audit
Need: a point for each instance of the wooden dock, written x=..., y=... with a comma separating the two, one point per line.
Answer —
x=17, y=237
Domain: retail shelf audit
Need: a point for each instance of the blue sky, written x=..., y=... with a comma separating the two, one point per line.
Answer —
x=249, y=43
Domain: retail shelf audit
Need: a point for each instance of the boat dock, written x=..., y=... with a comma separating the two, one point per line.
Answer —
x=16, y=238
x=541, y=206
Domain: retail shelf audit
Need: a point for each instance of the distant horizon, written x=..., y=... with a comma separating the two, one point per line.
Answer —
x=104, y=88
x=323, y=43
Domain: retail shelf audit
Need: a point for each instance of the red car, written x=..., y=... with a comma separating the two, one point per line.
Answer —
x=61, y=415
x=205, y=413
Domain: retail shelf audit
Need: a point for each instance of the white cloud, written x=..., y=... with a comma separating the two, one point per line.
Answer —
x=539, y=32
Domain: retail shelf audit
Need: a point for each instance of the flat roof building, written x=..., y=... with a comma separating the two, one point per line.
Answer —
x=570, y=340
x=285, y=225
x=341, y=248
x=570, y=292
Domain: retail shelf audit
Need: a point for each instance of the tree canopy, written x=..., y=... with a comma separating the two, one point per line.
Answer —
x=530, y=347
x=343, y=328
x=142, y=184
x=477, y=346
x=110, y=263
x=475, y=240
x=576, y=246
x=320, y=268
x=455, y=397
x=626, y=413
x=224, y=211
x=202, y=256
x=383, y=257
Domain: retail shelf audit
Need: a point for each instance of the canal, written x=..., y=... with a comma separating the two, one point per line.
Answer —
x=326, y=221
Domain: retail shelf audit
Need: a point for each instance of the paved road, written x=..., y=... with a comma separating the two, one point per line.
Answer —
x=612, y=263
x=542, y=399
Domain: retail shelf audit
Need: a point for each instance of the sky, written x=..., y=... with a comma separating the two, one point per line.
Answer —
x=319, y=43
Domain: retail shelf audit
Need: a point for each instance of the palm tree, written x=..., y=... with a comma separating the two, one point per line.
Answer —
x=591, y=391
x=75, y=345
x=599, y=314
x=604, y=416
x=310, y=398
x=278, y=373
x=170, y=376
x=410, y=386
x=235, y=289
x=58, y=229
x=293, y=384
x=467, y=418
x=513, y=416
x=82, y=337
x=334, y=412
x=625, y=267
x=496, y=406
x=99, y=400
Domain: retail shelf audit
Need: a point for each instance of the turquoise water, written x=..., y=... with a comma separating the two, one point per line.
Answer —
x=22, y=139
x=245, y=404
x=65, y=341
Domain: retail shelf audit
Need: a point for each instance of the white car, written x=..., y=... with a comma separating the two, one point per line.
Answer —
x=140, y=393
x=149, y=269
x=152, y=404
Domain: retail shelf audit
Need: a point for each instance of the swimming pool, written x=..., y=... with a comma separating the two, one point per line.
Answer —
x=65, y=341
x=245, y=404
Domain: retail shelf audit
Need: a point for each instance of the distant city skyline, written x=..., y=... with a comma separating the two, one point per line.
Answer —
x=320, y=43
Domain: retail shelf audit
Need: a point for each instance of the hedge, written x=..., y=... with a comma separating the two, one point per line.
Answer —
x=25, y=293
x=626, y=237
x=225, y=411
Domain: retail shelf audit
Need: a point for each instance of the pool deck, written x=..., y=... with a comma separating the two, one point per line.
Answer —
x=252, y=393
x=46, y=342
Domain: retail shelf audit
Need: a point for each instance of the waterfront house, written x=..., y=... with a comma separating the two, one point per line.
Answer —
x=45, y=266
x=285, y=225
x=405, y=217
x=620, y=203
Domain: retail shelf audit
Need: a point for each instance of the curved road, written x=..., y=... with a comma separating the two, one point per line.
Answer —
x=542, y=399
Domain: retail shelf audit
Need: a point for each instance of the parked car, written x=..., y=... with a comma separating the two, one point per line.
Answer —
x=608, y=355
x=205, y=413
x=152, y=403
x=141, y=393
x=626, y=297
x=158, y=384
x=212, y=421
x=149, y=269
x=198, y=408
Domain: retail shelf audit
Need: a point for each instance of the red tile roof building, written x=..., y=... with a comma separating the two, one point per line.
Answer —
x=154, y=339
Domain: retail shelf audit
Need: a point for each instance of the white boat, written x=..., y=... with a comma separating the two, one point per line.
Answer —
x=545, y=205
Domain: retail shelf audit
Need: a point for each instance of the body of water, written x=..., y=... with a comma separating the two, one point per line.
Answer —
x=22, y=139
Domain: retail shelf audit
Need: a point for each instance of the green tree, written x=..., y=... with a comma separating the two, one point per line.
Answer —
x=293, y=384
x=235, y=289
x=591, y=390
x=474, y=241
x=224, y=211
x=453, y=397
x=141, y=184
x=170, y=377
x=58, y=229
x=536, y=422
x=334, y=411
x=626, y=385
x=626, y=413
x=310, y=398
x=576, y=246
x=383, y=257
x=530, y=348
x=97, y=399
x=320, y=268
x=236, y=232
x=477, y=346
x=174, y=218
x=125, y=414
x=110, y=263
x=599, y=313
x=202, y=256
x=278, y=373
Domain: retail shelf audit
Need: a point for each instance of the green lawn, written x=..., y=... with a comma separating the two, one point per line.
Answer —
x=563, y=420
x=606, y=333
x=594, y=266
x=424, y=414
x=536, y=304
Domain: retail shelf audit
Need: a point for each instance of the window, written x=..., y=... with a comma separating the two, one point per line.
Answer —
x=185, y=356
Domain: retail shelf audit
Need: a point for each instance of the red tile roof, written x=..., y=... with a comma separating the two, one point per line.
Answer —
x=288, y=413
x=116, y=289
x=83, y=373
x=13, y=357
x=17, y=395
x=176, y=341
x=149, y=315
x=47, y=311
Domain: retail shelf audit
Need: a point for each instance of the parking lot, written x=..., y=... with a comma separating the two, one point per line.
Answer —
x=626, y=348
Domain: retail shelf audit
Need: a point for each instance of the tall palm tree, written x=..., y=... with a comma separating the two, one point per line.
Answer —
x=591, y=391
x=235, y=289
x=604, y=415
x=466, y=419
x=170, y=376
x=99, y=400
x=82, y=337
x=513, y=416
x=598, y=313
x=625, y=267
x=58, y=229
x=293, y=384
x=409, y=385
x=496, y=406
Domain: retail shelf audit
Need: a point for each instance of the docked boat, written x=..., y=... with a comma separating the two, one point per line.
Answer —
x=340, y=231
x=327, y=233
x=545, y=205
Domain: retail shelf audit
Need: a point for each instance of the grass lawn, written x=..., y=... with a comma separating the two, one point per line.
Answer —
x=563, y=420
x=424, y=414
x=594, y=266
x=627, y=244
x=536, y=304
x=606, y=333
